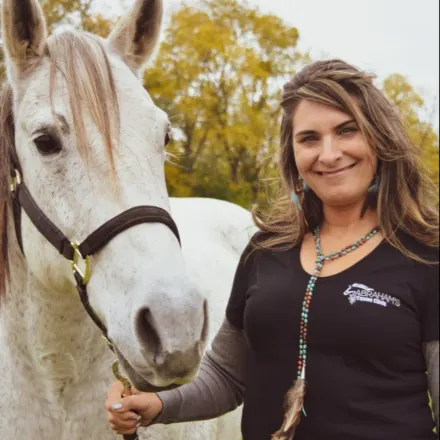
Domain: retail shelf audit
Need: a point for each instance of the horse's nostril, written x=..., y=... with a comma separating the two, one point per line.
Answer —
x=148, y=334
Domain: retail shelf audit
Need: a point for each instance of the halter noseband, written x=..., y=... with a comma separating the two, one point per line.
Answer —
x=74, y=252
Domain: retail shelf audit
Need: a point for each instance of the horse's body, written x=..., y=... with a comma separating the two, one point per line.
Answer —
x=89, y=142
x=60, y=396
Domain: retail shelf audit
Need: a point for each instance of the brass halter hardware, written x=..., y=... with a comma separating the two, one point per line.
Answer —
x=84, y=272
x=15, y=181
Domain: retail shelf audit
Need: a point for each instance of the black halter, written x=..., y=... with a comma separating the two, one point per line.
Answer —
x=76, y=253
x=23, y=200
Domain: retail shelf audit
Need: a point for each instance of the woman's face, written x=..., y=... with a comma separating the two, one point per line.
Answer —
x=332, y=155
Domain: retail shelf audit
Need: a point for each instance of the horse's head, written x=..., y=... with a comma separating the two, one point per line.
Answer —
x=91, y=144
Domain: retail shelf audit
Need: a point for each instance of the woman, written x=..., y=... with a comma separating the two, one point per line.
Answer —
x=338, y=290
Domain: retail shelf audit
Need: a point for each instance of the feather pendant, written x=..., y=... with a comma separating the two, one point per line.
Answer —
x=293, y=408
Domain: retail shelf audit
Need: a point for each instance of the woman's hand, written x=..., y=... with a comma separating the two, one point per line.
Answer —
x=126, y=414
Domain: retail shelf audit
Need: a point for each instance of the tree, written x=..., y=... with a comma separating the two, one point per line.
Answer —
x=219, y=72
x=422, y=133
x=76, y=12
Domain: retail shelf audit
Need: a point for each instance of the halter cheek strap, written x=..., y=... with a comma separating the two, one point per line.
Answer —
x=79, y=254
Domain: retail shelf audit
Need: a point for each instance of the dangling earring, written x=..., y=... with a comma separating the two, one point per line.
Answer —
x=298, y=193
x=373, y=190
x=295, y=199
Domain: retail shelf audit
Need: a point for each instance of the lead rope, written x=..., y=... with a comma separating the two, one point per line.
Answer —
x=81, y=280
x=124, y=381
x=127, y=385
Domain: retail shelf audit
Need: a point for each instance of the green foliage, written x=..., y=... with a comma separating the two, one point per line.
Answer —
x=422, y=133
x=219, y=74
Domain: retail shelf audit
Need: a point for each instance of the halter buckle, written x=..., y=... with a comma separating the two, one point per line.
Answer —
x=84, y=272
x=109, y=343
x=15, y=181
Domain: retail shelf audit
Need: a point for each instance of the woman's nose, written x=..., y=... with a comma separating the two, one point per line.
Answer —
x=330, y=152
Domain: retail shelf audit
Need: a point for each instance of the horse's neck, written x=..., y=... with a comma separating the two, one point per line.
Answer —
x=51, y=341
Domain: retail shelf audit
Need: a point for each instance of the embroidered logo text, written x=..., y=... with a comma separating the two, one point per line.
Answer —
x=361, y=293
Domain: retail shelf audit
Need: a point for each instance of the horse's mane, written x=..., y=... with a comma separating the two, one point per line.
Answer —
x=81, y=59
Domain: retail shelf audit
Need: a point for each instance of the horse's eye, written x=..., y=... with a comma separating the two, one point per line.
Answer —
x=47, y=144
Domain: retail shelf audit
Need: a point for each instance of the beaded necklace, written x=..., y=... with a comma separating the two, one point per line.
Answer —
x=321, y=260
x=295, y=397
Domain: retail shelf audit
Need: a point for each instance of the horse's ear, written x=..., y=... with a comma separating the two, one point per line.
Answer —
x=24, y=34
x=137, y=34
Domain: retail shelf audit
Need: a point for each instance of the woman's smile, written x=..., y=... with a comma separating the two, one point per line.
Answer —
x=337, y=173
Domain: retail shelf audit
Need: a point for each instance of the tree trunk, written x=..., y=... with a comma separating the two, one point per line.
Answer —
x=235, y=168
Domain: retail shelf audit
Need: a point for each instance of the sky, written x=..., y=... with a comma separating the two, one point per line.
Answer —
x=381, y=36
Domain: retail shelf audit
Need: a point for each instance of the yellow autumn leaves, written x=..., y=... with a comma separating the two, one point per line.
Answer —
x=218, y=74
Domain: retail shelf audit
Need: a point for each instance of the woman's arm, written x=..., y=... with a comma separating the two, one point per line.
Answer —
x=431, y=350
x=220, y=386
x=218, y=389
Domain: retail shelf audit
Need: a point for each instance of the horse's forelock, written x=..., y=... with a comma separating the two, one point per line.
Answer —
x=82, y=60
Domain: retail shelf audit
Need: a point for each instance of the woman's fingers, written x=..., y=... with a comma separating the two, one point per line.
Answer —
x=123, y=431
x=125, y=421
x=128, y=404
x=124, y=412
x=114, y=394
x=125, y=417
x=121, y=419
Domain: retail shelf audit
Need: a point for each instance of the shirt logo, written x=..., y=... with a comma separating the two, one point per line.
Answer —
x=361, y=293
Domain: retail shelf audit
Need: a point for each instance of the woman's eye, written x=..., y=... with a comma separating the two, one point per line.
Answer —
x=309, y=140
x=47, y=144
x=348, y=130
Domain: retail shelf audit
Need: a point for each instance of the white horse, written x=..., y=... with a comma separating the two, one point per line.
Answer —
x=90, y=145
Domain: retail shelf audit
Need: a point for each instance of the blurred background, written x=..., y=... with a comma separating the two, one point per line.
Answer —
x=222, y=63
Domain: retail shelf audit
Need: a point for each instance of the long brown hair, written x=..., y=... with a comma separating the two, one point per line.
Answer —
x=407, y=200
